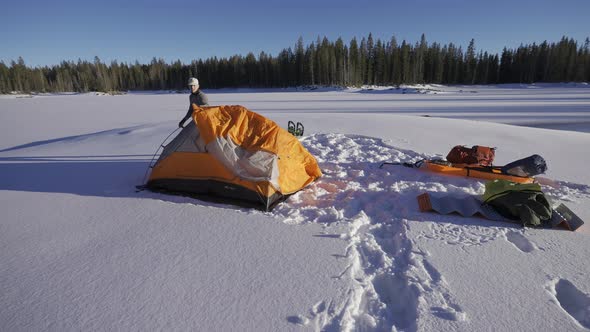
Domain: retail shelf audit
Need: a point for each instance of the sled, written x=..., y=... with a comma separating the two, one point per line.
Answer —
x=480, y=172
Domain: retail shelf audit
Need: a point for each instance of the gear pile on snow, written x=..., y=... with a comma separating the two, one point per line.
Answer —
x=510, y=195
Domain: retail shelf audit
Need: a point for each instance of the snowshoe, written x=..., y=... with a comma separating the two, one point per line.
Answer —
x=299, y=130
x=291, y=128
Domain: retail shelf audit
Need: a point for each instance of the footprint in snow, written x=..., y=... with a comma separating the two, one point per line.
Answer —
x=520, y=241
x=299, y=320
x=573, y=301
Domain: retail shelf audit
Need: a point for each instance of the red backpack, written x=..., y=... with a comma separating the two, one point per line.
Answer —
x=479, y=155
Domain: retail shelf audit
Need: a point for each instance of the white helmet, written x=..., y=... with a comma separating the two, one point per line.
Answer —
x=193, y=81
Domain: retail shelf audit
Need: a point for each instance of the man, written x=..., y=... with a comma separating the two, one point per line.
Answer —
x=196, y=97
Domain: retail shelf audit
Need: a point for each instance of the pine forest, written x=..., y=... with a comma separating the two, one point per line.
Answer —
x=321, y=63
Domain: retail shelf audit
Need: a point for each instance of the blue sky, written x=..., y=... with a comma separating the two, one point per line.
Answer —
x=47, y=32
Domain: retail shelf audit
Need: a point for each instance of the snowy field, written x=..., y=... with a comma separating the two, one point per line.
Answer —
x=81, y=250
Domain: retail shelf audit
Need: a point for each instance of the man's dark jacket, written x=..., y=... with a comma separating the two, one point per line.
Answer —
x=198, y=98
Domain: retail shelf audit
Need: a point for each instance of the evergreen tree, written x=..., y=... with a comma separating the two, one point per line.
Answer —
x=5, y=83
x=438, y=63
x=311, y=64
x=355, y=63
x=318, y=69
x=420, y=52
x=470, y=63
x=379, y=63
x=103, y=80
x=370, y=61
x=340, y=62
x=395, y=68
x=300, y=61
x=571, y=54
x=505, y=73
x=363, y=59
x=542, y=64
x=405, y=63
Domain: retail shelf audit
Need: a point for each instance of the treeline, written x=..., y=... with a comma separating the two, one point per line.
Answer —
x=323, y=62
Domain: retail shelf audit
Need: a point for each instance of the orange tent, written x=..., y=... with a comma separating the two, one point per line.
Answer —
x=233, y=154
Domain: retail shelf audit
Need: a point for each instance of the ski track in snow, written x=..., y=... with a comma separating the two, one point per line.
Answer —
x=392, y=281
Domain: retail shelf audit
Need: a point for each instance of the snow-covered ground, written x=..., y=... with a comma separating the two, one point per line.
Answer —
x=81, y=250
